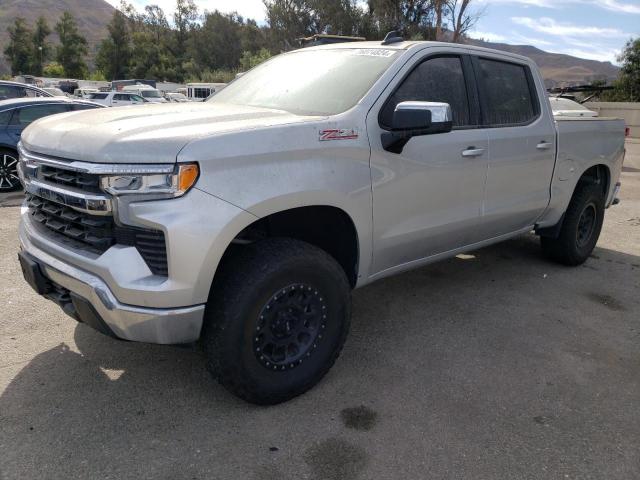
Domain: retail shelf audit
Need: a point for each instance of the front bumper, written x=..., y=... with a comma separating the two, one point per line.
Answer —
x=88, y=299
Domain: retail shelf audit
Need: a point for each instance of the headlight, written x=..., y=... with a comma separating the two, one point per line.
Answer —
x=173, y=184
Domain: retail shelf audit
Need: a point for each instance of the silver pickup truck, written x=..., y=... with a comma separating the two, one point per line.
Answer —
x=245, y=221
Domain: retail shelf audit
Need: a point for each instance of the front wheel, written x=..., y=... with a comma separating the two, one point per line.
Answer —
x=277, y=319
x=580, y=229
x=9, y=180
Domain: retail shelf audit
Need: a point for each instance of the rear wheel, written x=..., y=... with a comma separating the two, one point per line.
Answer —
x=580, y=229
x=9, y=180
x=277, y=319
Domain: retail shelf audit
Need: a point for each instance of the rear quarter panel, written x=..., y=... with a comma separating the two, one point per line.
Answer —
x=583, y=143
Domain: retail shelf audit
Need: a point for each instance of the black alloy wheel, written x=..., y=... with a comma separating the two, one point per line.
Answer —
x=9, y=180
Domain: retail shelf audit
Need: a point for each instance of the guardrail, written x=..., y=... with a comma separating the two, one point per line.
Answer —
x=629, y=111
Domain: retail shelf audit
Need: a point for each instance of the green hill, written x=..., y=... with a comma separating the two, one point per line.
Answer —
x=92, y=17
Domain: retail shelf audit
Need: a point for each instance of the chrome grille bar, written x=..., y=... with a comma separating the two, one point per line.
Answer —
x=93, y=168
x=87, y=203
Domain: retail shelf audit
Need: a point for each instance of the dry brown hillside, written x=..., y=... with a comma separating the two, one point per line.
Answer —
x=92, y=17
x=558, y=69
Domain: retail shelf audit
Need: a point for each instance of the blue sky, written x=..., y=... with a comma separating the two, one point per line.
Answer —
x=595, y=29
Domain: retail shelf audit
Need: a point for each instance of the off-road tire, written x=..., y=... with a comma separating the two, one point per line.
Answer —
x=249, y=280
x=566, y=248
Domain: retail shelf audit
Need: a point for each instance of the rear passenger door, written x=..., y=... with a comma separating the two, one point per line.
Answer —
x=521, y=143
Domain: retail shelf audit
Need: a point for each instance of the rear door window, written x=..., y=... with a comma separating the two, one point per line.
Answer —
x=438, y=79
x=508, y=97
x=11, y=91
x=4, y=117
x=24, y=116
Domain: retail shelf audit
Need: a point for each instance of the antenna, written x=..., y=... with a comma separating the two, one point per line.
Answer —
x=392, y=37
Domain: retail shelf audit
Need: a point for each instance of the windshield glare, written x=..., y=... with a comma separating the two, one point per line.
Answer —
x=312, y=82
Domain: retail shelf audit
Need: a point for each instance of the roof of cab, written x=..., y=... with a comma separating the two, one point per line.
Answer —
x=415, y=45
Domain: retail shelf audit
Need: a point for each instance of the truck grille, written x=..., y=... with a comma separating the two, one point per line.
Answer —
x=97, y=233
x=69, y=178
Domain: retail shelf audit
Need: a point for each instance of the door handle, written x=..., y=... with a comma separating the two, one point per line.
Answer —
x=473, y=152
x=543, y=146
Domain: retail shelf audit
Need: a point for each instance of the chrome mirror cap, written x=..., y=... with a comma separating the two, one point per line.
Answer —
x=440, y=112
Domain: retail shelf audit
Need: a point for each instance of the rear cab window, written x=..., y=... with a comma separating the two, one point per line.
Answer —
x=98, y=96
x=507, y=93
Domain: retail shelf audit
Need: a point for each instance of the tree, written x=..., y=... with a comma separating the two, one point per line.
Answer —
x=627, y=86
x=292, y=19
x=184, y=18
x=250, y=60
x=114, y=54
x=462, y=19
x=217, y=42
x=73, y=47
x=19, y=51
x=54, y=70
x=41, y=48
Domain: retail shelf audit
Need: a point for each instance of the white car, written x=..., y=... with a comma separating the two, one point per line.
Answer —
x=176, y=97
x=565, y=107
x=149, y=93
x=117, y=99
x=84, y=92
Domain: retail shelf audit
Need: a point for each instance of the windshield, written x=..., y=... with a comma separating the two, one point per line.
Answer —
x=311, y=82
x=151, y=94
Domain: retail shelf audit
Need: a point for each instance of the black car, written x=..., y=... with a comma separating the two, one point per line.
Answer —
x=15, y=116
x=10, y=90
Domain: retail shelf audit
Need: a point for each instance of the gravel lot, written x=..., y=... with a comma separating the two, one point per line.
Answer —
x=500, y=365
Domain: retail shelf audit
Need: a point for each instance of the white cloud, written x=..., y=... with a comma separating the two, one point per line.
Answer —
x=611, y=5
x=606, y=55
x=617, y=6
x=552, y=27
x=488, y=36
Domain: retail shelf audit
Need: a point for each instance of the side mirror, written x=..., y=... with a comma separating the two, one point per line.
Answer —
x=412, y=119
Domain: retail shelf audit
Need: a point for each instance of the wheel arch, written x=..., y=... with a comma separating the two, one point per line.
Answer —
x=599, y=174
x=326, y=226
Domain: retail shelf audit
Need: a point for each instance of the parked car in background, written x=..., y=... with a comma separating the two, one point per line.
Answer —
x=55, y=91
x=68, y=86
x=116, y=99
x=150, y=94
x=15, y=116
x=84, y=92
x=566, y=107
x=20, y=90
x=199, y=92
x=176, y=97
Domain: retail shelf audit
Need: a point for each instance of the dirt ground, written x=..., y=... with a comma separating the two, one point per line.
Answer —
x=498, y=365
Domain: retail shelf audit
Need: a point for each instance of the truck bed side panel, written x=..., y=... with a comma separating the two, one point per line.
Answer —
x=583, y=143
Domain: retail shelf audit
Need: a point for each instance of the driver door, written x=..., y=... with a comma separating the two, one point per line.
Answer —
x=428, y=199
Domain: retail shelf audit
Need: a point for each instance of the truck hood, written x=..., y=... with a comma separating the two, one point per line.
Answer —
x=143, y=134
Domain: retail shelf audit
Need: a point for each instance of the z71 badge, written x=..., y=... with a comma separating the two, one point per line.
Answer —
x=338, y=134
